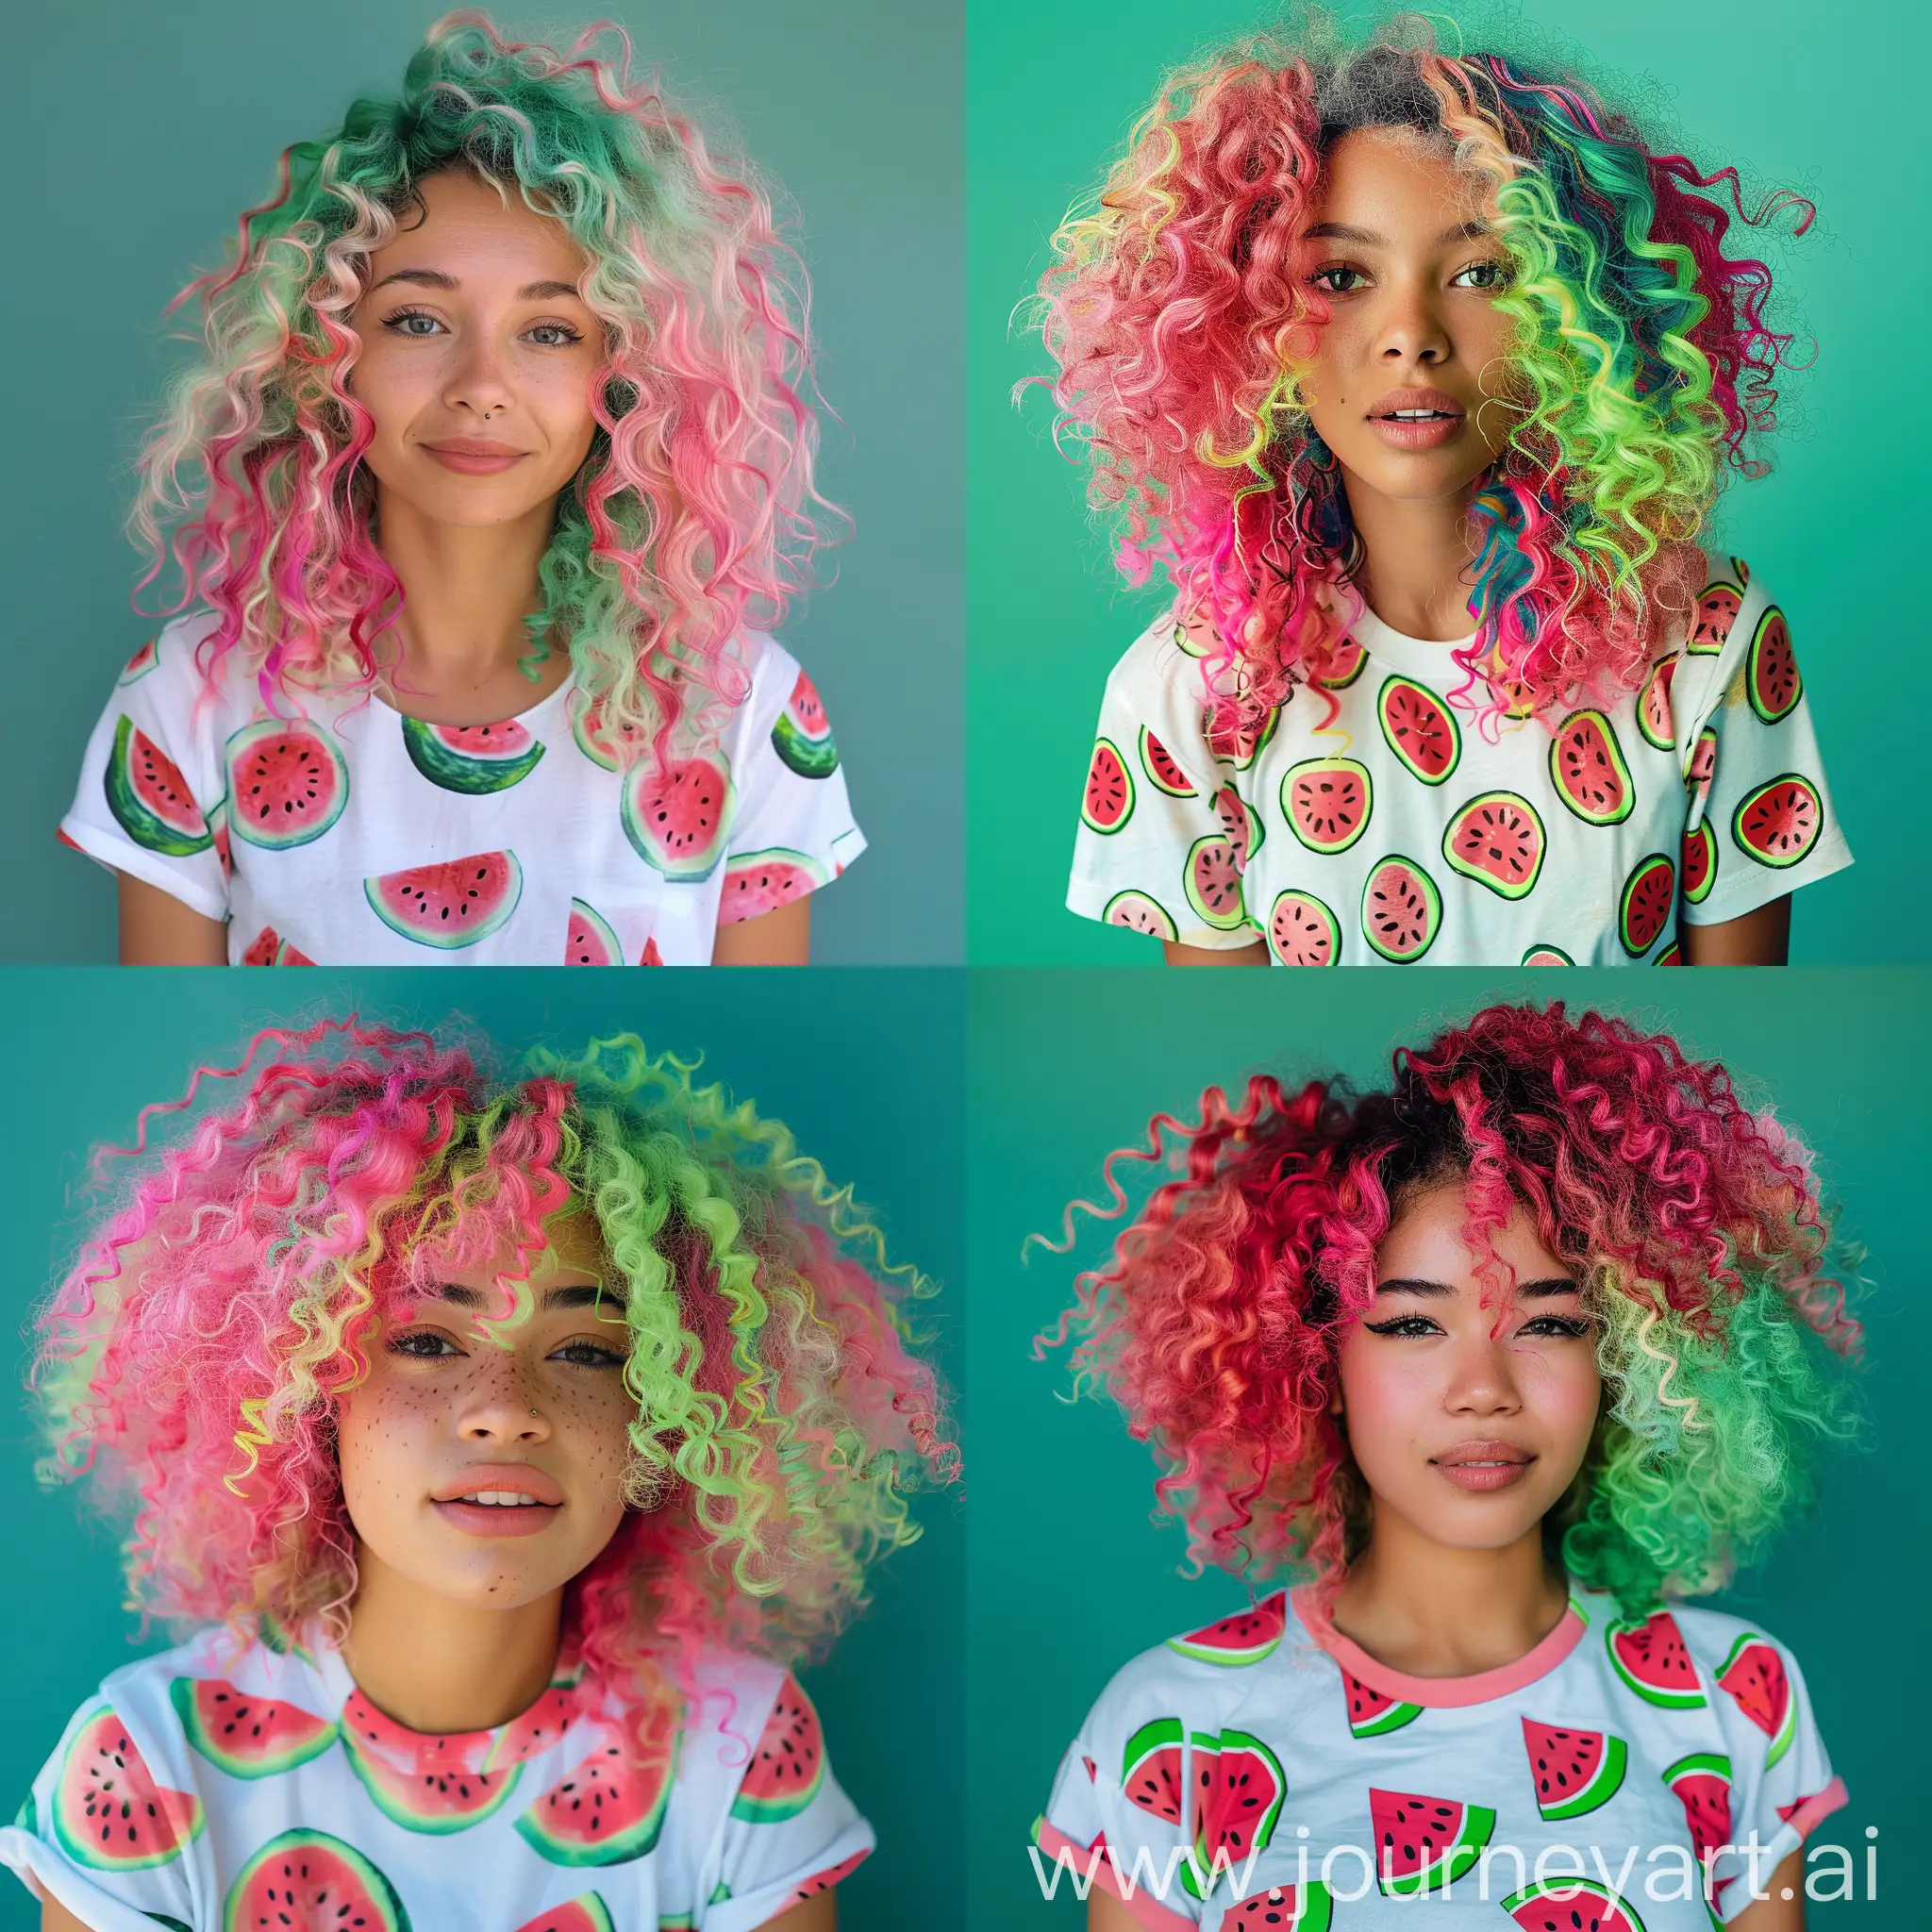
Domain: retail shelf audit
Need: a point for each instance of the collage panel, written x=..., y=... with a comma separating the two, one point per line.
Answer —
x=1412, y=558
x=470, y=499
x=1290, y=1335
x=339, y=1260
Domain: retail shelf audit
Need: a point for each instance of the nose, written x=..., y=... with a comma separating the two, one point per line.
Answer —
x=1410, y=325
x=477, y=383
x=500, y=1403
x=1482, y=1374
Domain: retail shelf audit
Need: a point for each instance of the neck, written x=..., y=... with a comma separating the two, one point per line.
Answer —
x=1433, y=1611
x=1418, y=551
x=466, y=592
x=439, y=1666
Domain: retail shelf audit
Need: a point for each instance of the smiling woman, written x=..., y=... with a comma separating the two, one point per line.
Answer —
x=494, y=477
x=1418, y=372
x=504, y=1436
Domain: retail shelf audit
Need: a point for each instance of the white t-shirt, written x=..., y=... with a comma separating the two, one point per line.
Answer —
x=1617, y=1756
x=357, y=837
x=211, y=1791
x=1402, y=832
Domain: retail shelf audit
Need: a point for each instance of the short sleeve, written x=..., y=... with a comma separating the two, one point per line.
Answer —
x=1153, y=852
x=135, y=1853
x=1096, y=1834
x=793, y=808
x=152, y=785
x=790, y=1833
x=1781, y=1779
x=1757, y=803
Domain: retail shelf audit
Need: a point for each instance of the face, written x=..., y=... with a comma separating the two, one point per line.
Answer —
x=473, y=333
x=448, y=1414
x=1400, y=250
x=1469, y=1437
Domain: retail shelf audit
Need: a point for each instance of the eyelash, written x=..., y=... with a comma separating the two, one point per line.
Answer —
x=390, y=321
x=1557, y=1327
x=1343, y=268
x=608, y=1358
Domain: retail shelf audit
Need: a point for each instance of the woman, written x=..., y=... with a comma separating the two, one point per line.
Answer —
x=506, y=1436
x=1418, y=373
x=1506, y=1362
x=500, y=468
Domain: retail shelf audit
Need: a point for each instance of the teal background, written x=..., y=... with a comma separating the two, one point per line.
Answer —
x=1068, y=1578
x=144, y=131
x=1771, y=88
x=803, y=1053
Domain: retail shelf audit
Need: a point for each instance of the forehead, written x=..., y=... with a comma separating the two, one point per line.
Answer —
x=1399, y=182
x=1424, y=1241
x=572, y=1249
x=470, y=227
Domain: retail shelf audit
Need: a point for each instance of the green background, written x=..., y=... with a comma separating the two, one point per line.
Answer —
x=142, y=131
x=1067, y=1578
x=1773, y=87
x=894, y=1677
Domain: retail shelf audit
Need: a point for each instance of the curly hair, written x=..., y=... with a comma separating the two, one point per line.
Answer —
x=1695, y=1226
x=193, y=1359
x=691, y=518
x=1181, y=330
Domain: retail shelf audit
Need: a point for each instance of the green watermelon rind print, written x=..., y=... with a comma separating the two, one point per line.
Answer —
x=450, y=769
x=1216, y=922
x=1198, y=1866
x=801, y=753
x=1696, y=895
x=1563, y=1891
x=299, y=1750
x=1295, y=896
x=1768, y=714
x=1432, y=899
x=1639, y=873
x=1711, y=1763
x=1788, y=1725
x=1504, y=888
x=185, y=1822
x=1478, y=1825
x=1088, y=817
x=1152, y=767
x=1628, y=790
x=1124, y=902
x=1392, y=1717
x=1745, y=805
x=1651, y=1693
x=1532, y=957
x=1603, y=1785
x=390, y=1789
x=151, y=833
x=1351, y=768
x=241, y=742
x=1157, y=1735
x=1389, y=687
x=381, y=1893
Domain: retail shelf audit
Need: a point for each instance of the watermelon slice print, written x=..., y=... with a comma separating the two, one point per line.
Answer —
x=787, y=1764
x=1110, y=801
x=1586, y=768
x=1212, y=877
x=1654, y=717
x=1547, y=955
x=1241, y=822
x=456, y=904
x=760, y=882
x=588, y=1913
x=140, y=664
x=1673, y=954
x=1242, y=744
x=677, y=814
x=269, y=948
x=611, y=750
x=1700, y=863
x=1703, y=1785
x=1649, y=898
x=1140, y=912
x=1151, y=1770
x=1422, y=1843
x=1771, y=674
x=287, y=783
x=424, y=1781
x=1196, y=635
x=608, y=1811
x=1344, y=666
x=1162, y=773
x=1245, y=1637
x=1302, y=932
x=109, y=1814
x=588, y=939
x=803, y=735
x=1570, y=1904
x=1283, y=1908
x=1701, y=771
x=1754, y=1674
x=1327, y=803
x=244, y=1735
x=149, y=797
x=1371, y=1714
x=1497, y=840
x=304, y=1880
x=1718, y=604
x=831, y=1875
x=1780, y=823
x=1238, y=1788
x=1420, y=729
x=1653, y=1661
x=1402, y=911
x=475, y=759
x=1574, y=1772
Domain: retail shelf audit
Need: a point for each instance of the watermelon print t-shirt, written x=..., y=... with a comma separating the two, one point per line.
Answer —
x=1408, y=831
x=1618, y=1755
x=357, y=837
x=221, y=1792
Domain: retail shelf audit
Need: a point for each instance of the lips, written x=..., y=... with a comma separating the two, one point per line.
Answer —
x=500, y=1478
x=472, y=446
x=1416, y=406
x=1466, y=1454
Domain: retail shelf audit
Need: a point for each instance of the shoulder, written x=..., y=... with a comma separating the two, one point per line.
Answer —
x=1720, y=1643
x=1164, y=658
x=1196, y=1674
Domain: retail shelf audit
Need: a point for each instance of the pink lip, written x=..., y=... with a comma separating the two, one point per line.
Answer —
x=483, y=1519
x=1505, y=1463
x=519, y=1477
x=1416, y=436
x=474, y=458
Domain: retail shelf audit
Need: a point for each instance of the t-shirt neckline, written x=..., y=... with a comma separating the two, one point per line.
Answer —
x=1444, y=1693
x=523, y=717
x=1431, y=661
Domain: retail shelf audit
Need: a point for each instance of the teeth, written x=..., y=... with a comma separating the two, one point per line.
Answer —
x=499, y=1498
x=1419, y=415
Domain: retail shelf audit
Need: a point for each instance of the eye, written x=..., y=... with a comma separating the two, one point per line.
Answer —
x=588, y=1355
x=423, y=1345
x=1558, y=1326
x=563, y=330
x=1327, y=278
x=398, y=323
x=1490, y=276
x=1404, y=1324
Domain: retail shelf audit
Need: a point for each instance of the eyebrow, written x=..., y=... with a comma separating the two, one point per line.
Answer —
x=1551, y=1285
x=579, y=1295
x=435, y=278
x=1340, y=231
